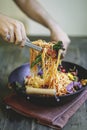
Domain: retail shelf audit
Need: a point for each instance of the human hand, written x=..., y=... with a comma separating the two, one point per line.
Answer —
x=12, y=30
x=57, y=34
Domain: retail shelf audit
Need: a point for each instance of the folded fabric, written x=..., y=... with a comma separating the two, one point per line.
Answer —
x=53, y=116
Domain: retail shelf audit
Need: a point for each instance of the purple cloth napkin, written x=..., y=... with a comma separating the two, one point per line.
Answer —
x=52, y=116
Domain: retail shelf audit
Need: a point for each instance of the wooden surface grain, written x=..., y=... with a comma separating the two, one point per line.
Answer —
x=10, y=58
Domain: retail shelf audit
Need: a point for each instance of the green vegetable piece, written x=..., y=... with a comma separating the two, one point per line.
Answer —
x=18, y=85
x=58, y=45
x=37, y=60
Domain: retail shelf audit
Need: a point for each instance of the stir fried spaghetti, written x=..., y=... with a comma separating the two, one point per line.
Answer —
x=45, y=72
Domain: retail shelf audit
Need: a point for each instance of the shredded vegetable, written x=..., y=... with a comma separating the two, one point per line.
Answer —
x=48, y=73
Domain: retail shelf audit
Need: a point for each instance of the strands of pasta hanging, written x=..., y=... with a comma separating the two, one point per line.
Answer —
x=47, y=62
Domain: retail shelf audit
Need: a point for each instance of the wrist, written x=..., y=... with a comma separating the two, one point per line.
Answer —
x=52, y=25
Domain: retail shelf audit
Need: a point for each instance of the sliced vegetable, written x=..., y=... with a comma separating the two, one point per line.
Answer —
x=40, y=71
x=51, y=52
x=63, y=70
x=84, y=82
x=73, y=86
x=71, y=77
x=78, y=85
x=37, y=60
x=18, y=87
x=58, y=45
x=69, y=88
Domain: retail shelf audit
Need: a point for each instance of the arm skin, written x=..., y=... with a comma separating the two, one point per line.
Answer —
x=35, y=11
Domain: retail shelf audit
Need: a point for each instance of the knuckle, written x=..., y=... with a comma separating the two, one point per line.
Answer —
x=21, y=24
x=16, y=25
x=19, y=40
x=5, y=30
x=11, y=27
x=23, y=40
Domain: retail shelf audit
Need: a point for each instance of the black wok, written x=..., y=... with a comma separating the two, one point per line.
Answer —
x=21, y=72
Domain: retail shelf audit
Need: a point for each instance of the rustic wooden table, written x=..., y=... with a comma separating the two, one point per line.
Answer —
x=11, y=57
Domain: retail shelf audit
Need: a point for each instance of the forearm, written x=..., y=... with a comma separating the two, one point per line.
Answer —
x=35, y=11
